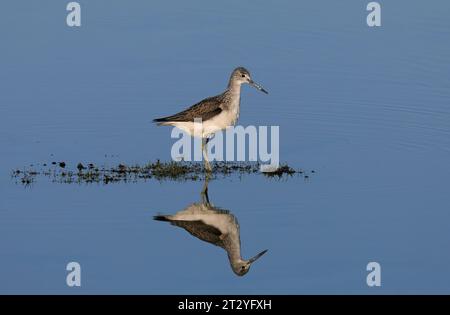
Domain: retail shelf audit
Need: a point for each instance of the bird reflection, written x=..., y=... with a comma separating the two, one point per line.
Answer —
x=213, y=225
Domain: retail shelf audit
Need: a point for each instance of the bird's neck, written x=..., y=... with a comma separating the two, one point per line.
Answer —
x=234, y=88
x=235, y=260
x=233, y=247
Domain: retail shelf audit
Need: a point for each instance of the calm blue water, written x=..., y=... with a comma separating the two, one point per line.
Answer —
x=367, y=108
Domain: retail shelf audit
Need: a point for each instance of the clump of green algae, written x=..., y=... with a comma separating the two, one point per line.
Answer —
x=178, y=171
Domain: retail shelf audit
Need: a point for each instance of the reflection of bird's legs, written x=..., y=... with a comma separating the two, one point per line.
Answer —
x=204, y=193
x=205, y=154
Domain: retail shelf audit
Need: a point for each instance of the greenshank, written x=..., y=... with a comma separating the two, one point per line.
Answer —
x=216, y=226
x=213, y=113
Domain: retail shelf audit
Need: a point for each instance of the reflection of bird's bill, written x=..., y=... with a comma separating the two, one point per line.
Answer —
x=253, y=259
x=257, y=86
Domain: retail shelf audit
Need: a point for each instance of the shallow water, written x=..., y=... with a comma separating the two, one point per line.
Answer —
x=368, y=109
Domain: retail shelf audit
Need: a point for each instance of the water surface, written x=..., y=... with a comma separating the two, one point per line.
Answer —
x=368, y=109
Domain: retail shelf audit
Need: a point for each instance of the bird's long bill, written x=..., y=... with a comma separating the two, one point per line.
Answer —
x=257, y=86
x=253, y=259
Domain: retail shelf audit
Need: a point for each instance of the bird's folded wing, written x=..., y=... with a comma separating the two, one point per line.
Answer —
x=204, y=110
x=201, y=230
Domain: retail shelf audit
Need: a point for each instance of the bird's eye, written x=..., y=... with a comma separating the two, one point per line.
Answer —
x=243, y=267
x=243, y=75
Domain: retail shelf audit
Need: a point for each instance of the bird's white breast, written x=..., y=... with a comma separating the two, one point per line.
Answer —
x=226, y=118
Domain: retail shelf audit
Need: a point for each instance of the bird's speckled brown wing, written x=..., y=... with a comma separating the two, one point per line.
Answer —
x=201, y=230
x=206, y=109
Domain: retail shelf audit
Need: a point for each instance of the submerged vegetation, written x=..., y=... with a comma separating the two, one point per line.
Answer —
x=60, y=172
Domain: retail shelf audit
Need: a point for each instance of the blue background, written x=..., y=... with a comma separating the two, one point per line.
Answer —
x=367, y=108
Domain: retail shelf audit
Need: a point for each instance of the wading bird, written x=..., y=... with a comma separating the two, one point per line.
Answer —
x=213, y=113
x=213, y=225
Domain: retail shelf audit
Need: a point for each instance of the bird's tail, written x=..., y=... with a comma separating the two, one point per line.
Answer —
x=161, y=121
x=164, y=218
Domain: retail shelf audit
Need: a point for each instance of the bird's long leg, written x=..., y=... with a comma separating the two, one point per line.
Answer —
x=204, y=193
x=205, y=155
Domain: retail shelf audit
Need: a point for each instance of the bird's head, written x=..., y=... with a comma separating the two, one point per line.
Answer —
x=241, y=267
x=241, y=75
